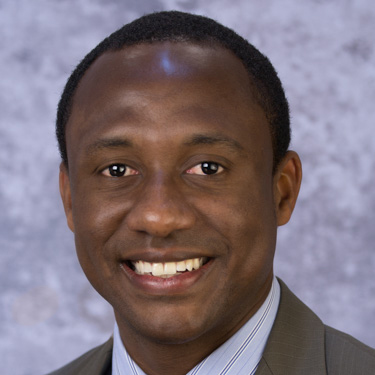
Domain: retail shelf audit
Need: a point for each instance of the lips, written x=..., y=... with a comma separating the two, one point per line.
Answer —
x=167, y=269
x=167, y=273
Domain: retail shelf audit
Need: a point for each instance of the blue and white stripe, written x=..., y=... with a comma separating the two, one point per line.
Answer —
x=240, y=355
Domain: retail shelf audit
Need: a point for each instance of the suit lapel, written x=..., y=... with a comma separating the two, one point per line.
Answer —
x=101, y=364
x=296, y=343
x=263, y=368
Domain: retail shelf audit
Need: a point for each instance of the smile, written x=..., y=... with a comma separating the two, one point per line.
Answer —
x=168, y=269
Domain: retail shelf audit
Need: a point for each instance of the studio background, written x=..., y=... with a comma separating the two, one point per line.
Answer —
x=324, y=52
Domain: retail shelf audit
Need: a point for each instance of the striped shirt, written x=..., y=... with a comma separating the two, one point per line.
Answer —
x=239, y=355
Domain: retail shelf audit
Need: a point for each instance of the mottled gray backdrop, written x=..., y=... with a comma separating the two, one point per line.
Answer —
x=324, y=52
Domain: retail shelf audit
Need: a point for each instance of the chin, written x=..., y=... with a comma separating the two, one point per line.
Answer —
x=165, y=326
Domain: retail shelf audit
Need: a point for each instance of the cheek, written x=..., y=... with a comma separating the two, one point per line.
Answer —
x=97, y=213
x=243, y=214
x=247, y=221
x=96, y=219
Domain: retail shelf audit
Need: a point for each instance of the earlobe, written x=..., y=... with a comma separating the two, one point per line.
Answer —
x=287, y=182
x=66, y=195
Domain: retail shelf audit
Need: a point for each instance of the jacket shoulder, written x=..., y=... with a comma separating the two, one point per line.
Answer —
x=345, y=355
x=97, y=361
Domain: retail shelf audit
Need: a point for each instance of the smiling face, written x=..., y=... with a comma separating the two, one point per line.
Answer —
x=170, y=191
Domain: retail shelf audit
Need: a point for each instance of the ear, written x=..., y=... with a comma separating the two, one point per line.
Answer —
x=66, y=195
x=287, y=181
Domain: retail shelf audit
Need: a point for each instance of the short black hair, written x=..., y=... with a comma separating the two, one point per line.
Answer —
x=174, y=26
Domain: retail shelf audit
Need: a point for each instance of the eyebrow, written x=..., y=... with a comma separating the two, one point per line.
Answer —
x=195, y=140
x=108, y=143
x=204, y=139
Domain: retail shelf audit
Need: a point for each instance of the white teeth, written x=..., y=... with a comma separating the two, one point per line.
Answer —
x=196, y=263
x=167, y=269
x=139, y=267
x=181, y=266
x=147, y=267
x=157, y=269
x=189, y=264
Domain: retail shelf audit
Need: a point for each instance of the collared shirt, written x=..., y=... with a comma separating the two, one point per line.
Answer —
x=239, y=355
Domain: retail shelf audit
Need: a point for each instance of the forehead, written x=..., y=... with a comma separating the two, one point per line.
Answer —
x=162, y=83
x=149, y=61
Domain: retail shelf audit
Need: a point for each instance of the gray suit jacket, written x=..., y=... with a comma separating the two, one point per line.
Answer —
x=299, y=344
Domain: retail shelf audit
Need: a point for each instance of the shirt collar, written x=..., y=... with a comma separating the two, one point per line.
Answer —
x=239, y=355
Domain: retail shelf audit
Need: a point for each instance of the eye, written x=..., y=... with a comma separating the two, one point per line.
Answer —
x=119, y=170
x=206, y=168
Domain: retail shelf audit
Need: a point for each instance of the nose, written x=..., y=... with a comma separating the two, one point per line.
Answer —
x=160, y=209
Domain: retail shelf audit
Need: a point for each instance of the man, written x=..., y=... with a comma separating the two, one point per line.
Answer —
x=175, y=174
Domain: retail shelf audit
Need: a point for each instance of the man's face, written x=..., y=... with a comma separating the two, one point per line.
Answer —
x=170, y=167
